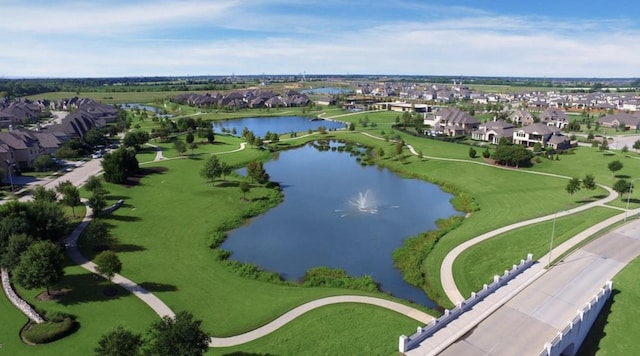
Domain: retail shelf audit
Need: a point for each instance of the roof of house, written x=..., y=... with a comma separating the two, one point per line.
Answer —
x=540, y=129
x=628, y=119
x=457, y=116
x=553, y=114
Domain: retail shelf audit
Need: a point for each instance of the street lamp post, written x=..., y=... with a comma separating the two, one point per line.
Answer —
x=553, y=233
x=10, y=169
x=629, y=198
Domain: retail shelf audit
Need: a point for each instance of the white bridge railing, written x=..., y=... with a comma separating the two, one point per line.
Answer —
x=568, y=340
x=408, y=342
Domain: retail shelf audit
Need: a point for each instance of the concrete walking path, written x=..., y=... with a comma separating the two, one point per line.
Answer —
x=296, y=312
x=74, y=254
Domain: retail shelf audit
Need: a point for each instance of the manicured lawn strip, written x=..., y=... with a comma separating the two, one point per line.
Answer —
x=164, y=232
x=616, y=330
x=96, y=314
x=478, y=264
x=587, y=160
x=343, y=329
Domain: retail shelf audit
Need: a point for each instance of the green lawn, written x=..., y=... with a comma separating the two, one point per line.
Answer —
x=163, y=234
x=163, y=243
x=95, y=313
x=478, y=264
x=616, y=330
x=343, y=329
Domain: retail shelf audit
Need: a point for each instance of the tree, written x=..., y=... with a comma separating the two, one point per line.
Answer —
x=212, y=169
x=225, y=169
x=119, y=164
x=257, y=173
x=604, y=145
x=43, y=163
x=97, y=232
x=589, y=182
x=622, y=187
x=93, y=183
x=180, y=146
x=70, y=195
x=40, y=266
x=399, y=147
x=189, y=138
x=43, y=194
x=244, y=188
x=211, y=137
x=108, y=264
x=16, y=246
x=98, y=201
x=472, y=152
x=636, y=145
x=380, y=152
x=119, y=342
x=614, y=166
x=486, y=153
x=135, y=139
x=193, y=146
x=573, y=186
x=352, y=127
x=181, y=335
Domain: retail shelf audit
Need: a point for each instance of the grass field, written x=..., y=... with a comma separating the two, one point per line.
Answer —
x=344, y=329
x=478, y=264
x=163, y=235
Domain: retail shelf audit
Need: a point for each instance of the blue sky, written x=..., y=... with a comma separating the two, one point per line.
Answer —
x=100, y=38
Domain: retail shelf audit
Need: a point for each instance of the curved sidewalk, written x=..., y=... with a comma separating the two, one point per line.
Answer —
x=74, y=254
x=296, y=312
x=446, y=268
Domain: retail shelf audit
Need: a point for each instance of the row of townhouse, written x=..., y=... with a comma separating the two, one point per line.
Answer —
x=240, y=99
x=20, y=147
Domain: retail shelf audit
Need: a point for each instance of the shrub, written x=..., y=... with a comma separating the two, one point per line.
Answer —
x=49, y=331
x=338, y=278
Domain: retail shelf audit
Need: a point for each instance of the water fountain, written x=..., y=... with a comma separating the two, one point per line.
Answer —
x=365, y=202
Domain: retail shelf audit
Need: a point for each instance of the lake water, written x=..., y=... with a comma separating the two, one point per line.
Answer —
x=326, y=91
x=317, y=226
x=277, y=124
x=153, y=109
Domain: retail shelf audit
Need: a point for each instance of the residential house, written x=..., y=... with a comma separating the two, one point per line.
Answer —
x=451, y=122
x=493, y=131
x=541, y=133
x=554, y=117
x=22, y=147
x=521, y=117
x=628, y=120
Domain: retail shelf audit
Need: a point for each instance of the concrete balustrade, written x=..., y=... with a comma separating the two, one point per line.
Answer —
x=408, y=342
x=568, y=340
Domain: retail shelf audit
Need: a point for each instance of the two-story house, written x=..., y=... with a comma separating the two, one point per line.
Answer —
x=493, y=131
x=544, y=134
x=451, y=122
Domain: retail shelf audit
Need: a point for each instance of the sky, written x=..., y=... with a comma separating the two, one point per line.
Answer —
x=117, y=38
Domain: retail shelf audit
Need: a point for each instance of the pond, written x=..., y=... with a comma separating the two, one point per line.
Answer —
x=277, y=124
x=340, y=214
x=326, y=91
x=149, y=108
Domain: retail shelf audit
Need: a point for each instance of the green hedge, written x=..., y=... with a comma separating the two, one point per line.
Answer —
x=338, y=278
x=49, y=331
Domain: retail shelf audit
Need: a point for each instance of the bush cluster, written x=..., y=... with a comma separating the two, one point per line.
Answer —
x=49, y=331
x=409, y=257
x=337, y=278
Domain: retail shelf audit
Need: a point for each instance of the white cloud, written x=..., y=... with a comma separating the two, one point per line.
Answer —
x=474, y=44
